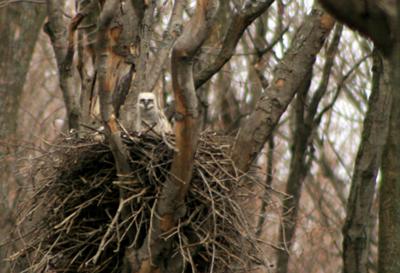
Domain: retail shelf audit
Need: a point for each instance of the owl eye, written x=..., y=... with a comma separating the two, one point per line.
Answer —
x=142, y=100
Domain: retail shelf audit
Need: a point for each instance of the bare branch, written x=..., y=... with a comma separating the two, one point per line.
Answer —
x=170, y=35
x=240, y=21
x=326, y=73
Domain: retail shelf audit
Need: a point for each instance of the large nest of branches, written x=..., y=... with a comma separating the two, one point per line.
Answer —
x=80, y=227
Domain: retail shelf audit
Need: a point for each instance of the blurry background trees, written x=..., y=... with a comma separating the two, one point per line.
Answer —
x=312, y=129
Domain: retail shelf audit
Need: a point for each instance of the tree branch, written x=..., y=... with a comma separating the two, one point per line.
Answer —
x=365, y=16
x=288, y=78
x=63, y=46
x=241, y=20
x=171, y=205
x=106, y=61
x=170, y=35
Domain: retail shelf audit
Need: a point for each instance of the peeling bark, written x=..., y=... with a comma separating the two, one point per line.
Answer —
x=153, y=256
x=107, y=64
x=107, y=61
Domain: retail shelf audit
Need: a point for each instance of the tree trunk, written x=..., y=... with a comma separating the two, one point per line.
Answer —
x=357, y=227
x=19, y=27
x=389, y=205
x=20, y=24
x=376, y=20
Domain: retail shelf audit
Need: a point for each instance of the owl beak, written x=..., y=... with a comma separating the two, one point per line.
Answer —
x=147, y=104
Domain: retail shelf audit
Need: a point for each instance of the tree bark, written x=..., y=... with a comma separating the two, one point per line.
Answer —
x=20, y=24
x=153, y=256
x=357, y=227
x=365, y=16
x=383, y=26
x=288, y=78
x=389, y=205
x=307, y=122
x=145, y=13
x=240, y=21
x=107, y=62
x=62, y=40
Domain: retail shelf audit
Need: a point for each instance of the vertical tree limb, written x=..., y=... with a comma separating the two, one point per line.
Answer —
x=389, y=202
x=356, y=230
x=186, y=105
x=268, y=183
x=107, y=61
x=173, y=31
x=171, y=205
x=20, y=25
x=141, y=47
x=377, y=20
x=90, y=11
x=306, y=123
x=297, y=173
x=63, y=46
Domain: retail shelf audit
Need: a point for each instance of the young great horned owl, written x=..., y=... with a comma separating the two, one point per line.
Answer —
x=149, y=116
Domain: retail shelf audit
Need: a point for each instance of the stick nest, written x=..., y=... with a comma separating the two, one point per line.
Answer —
x=76, y=208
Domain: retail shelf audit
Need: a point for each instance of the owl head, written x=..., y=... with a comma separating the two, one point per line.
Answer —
x=147, y=101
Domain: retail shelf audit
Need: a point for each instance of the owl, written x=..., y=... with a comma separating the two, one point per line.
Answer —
x=149, y=116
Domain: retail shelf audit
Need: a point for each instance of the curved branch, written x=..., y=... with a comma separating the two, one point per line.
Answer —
x=365, y=16
x=186, y=127
x=171, y=205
